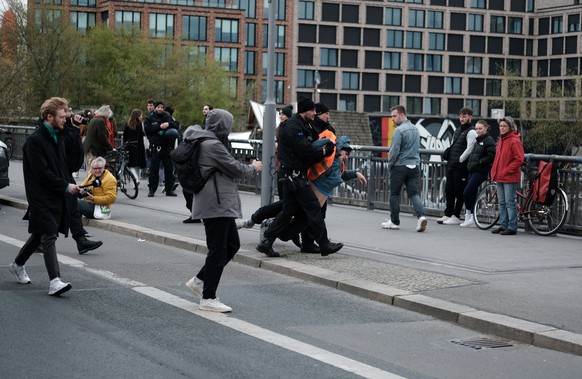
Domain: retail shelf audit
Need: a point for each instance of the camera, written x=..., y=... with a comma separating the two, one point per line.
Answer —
x=83, y=193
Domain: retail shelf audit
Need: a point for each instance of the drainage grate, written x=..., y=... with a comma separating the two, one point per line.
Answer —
x=483, y=343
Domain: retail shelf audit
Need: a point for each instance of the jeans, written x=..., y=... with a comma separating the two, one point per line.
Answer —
x=470, y=194
x=410, y=177
x=86, y=208
x=46, y=243
x=506, y=193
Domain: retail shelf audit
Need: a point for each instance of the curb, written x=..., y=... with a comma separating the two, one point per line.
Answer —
x=512, y=328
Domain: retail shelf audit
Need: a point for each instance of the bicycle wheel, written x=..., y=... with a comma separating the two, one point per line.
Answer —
x=546, y=220
x=486, y=210
x=128, y=183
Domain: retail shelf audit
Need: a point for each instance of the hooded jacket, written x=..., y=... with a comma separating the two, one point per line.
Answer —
x=483, y=154
x=219, y=197
x=508, y=159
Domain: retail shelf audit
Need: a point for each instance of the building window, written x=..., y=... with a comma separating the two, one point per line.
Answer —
x=497, y=24
x=434, y=20
x=574, y=23
x=81, y=3
x=479, y=4
x=194, y=28
x=161, y=25
x=393, y=16
x=83, y=21
x=350, y=13
x=434, y=63
x=394, y=38
x=475, y=22
x=514, y=25
x=416, y=18
x=475, y=105
x=414, y=40
x=432, y=106
x=329, y=57
x=514, y=66
x=350, y=80
x=251, y=35
x=279, y=38
x=305, y=78
x=250, y=63
x=415, y=62
x=453, y=85
x=389, y=101
x=391, y=61
x=305, y=56
x=413, y=105
x=130, y=22
x=279, y=86
x=213, y=3
x=195, y=53
x=306, y=10
x=436, y=41
x=493, y=87
x=347, y=103
x=226, y=30
x=279, y=64
x=228, y=56
x=474, y=65
x=250, y=7
x=557, y=24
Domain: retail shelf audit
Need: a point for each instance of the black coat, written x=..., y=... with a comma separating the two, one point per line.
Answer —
x=137, y=153
x=153, y=130
x=295, y=149
x=483, y=154
x=74, y=147
x=97, y=138
x=46, y=178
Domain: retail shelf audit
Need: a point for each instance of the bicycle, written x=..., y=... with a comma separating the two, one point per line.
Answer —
x=544, y=220
x=117, y=160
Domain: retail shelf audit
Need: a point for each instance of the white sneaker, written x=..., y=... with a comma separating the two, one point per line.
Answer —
x=19, y=273
x=421, y=224
x=213, y=305
x=389, y=225
x=442, y=219
x=453, y=220
x=196, y=286
x=57, y=287
x=469, y=222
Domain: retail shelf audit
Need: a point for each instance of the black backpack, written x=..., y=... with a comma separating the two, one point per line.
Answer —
x=185, y=160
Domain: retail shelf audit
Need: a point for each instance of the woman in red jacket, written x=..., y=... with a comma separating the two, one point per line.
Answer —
x=506, y=172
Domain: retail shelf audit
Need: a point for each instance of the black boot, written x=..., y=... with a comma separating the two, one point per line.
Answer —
x=330, y=248
x=266, y=247
x=311, y=248
x=84, y=245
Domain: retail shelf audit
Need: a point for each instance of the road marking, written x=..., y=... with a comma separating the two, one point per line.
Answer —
x=280, y=340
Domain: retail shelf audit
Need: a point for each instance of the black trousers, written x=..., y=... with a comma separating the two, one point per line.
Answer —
x=223, y=243
x=47, y=244
x=161, y=157
x=456, y=183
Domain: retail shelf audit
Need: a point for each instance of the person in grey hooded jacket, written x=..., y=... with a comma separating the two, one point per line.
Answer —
x=218, y=204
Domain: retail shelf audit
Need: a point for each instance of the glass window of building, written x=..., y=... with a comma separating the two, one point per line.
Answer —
x=453, y=85
x=557, y=24
x=514, y=66
x=475, y=105
x=305, y=55
x=226, y=30
x=329, y=57
x=373, y=59
x=213, y=3
x=349, y=58
x=497, y=5
x=82, y=3
x=250, y=63
x=330, y=12
x=279, y=64
x=370, y=81
x=194, y=28
x=306, y=10
x=374, y=15
x=352, y=36
x=389, y=101
x=415, y=62
x=515, y=25
x=307, y=33
x=350, y=13
x=83, y=21
x=371, y=37
x=372, y=103
x=479, y=4
x=251, y=34
x=348, y=103
x=161, y=25
x=416, y=18
x=414, y=1
x=458, y=21
x=475, y=22
x=413, y=105
x=327, y=34
x=434, y=63
x=350, y=80
x=436, y=41
x=574, y=23
x=394, y=83
x=305, y=78
x=130, y=22
x=432, y=106
x=412, y=83
x=497, y=24
x=434, y=20
x=250, y=7
x=228, y=56
x=195, y=53
x=394, y=38
x=493, y=87
x=391, y=61
x=279, y=93
x=474, y=65
x=279, y=38
x=393, y=16
x=414, y=40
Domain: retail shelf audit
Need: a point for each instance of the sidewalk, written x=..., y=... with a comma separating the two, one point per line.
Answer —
x=525, y=287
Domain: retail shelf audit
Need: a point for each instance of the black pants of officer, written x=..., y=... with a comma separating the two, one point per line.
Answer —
x=161, y=155
x=456, y=183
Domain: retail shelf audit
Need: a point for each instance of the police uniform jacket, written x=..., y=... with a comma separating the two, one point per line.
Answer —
x=153, y=130
x=296, y=150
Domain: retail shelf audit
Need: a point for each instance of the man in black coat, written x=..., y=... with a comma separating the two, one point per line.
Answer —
x=48, y=183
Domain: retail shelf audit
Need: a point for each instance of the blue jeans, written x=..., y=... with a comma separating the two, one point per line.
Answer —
x=506, y=193
x=410, y=177
x=86, y=208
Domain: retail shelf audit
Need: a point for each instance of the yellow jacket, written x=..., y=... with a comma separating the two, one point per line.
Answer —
x=106, y=194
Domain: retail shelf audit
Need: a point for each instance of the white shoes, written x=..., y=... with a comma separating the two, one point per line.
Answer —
x=469, y=222
x=389, y=225
x=19, y=273
x=213, y=305
x=57, y=287
x=421, y=224
x=196, y=286
x=442, y=219
x=453, y=220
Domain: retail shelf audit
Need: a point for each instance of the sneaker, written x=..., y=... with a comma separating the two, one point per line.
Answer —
x=19, y=273
x=57, y=287
x=389, y=225
x=453, y=220
x=242, y=223
x=442, y=219
x=421, y=224
x=469, y=222
x=196, y=286
x=213, y=305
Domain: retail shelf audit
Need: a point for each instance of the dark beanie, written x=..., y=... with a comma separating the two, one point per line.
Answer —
x=158, y=102
x=304, y=104
x=287, y=110
x=321, y=108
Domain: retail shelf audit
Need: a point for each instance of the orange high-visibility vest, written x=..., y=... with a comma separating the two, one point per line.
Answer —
x=322, y=166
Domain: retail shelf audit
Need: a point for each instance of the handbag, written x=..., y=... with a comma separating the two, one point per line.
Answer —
x=102, y=212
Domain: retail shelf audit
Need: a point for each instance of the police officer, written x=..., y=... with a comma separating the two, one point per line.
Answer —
x=296, y=154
